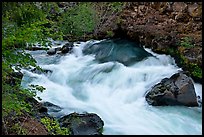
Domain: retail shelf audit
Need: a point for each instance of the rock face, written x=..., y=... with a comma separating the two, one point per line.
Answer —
x=83, y=124
x=121, y=50
x=176, y=90
x=161, y=26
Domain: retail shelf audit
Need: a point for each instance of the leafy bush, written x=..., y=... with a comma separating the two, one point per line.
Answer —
x=186, y=42
x=53, y=127
x=78, y=20
x=22, y=22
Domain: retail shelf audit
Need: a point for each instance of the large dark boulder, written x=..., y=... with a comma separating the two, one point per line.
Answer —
x=121, y=50
x=52, y=51
x=176, y=90
x=83, y=124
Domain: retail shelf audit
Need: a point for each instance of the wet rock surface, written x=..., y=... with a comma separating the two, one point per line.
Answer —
x=121, y=50
x=176, y=90
x=52, y=51
x=83, y=124
x=35, y=70
x=67, y=47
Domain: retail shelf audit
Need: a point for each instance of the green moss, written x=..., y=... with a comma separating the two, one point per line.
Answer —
x=194, y=70
x=110, y=33
x=100, y=130
x=186, y=42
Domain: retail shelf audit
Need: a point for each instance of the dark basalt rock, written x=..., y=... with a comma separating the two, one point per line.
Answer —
x=82, y=124
x=51, y=107
x=39, y=111
x=176, y=90
x=35, y=70
x=52, y=51
x=121, y=50
x=67, y=47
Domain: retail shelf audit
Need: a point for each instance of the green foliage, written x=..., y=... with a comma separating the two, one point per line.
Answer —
x=186, y=42
x=22, y=23
x=78, y=20
x=193, y=68
x=53, y=127
x=196, y=71
x=22, y=13
x=18, y=127
x=116, y=6
x=110, y=33
x=101, y=130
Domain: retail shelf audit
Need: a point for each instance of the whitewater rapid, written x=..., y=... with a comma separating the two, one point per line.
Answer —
x=114, y=92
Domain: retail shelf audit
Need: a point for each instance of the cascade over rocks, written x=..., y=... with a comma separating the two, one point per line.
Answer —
x=176, y=90
x=120, y=50
x=83, y=124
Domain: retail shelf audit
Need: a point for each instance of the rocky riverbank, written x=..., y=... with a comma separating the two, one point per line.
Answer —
x=173, y=28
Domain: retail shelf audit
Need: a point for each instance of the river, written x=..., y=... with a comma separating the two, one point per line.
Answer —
x=115, y=92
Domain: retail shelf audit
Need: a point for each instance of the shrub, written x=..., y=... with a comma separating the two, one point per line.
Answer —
x=186, y=42
x=78, y=20
x=53, y=127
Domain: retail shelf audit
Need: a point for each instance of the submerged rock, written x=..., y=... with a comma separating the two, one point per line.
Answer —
x=83, y=124
x=176, y=90
x=121, y=50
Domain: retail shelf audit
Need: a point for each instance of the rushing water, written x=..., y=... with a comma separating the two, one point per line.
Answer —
x=114, y=91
